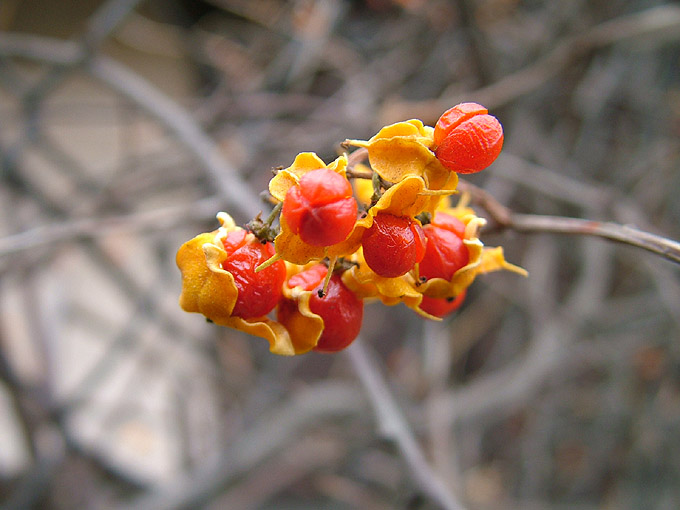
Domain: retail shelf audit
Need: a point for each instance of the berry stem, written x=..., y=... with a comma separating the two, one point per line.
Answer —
x=356, y=156
x=437, y=192
x=263, y=230
x=274, y=214
x=424, y=218
x=268, y=262
x=326, y=281
x=377, y=188
x=353, y=173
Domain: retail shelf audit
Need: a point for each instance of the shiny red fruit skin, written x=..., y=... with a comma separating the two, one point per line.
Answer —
x=309, y=278
x=448, y=222
x=258, y=293
x=321, y=208
x=452, y=117
x=441, y=307
x=467, y=139
x=393, y=245
x=342, y=312
x=444, y=255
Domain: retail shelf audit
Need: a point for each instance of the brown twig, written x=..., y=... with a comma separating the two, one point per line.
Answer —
x=68, y=230
x=356, y=157
x=532, y=223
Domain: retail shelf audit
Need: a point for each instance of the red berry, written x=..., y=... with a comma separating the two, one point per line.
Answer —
x=441, y=307
x=467, y=139
x=234, y=240
x=321, y=208
x=340, y=309
x=448, y=222
x=452, y=117
x=258, y=293
x=445, y=253
x=393, y=245
x=309, y=278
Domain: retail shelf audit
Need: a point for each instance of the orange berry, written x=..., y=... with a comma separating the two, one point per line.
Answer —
x=441, y=307
x=467, y=139
x=444, y=255
x=393, y=245
x=321, y=208
x=341, y=310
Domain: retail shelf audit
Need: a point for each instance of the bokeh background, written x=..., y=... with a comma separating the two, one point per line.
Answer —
x=126, y=125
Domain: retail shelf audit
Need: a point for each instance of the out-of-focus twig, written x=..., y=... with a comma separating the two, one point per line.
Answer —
x=39, y=48
x=225, y=177
x=437, y=361
x=69, y=230
x=270, y=435
x=106, y=19
x=119, y=78
x=395, y=428
x=532, y=223
x=476, y=41
x=661, y=20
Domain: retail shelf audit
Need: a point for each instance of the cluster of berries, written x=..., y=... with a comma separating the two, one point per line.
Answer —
x=393, y=237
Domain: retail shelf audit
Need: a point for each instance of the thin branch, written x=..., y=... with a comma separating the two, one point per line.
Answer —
x=356, y=157
x=66, y=53
x=105, y=20
x=667, y=248
x=533, y=223
x=229, y=184
x=158, y=219
x=550, y=348
x=269, y=436
x=394, y=427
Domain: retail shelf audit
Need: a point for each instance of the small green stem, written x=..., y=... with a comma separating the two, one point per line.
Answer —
x=273, y=215
x=263, y=230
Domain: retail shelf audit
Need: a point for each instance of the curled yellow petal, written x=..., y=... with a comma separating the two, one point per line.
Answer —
x=210, y=290
x=397, y=158
x=280, y=341
x=291, y=248
x=403, y=149
x=303, y=163
x=206, y=289
x=413, y=129
x=494, y=260
x=403, y=199
x=303, y=325
x=439, y=178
